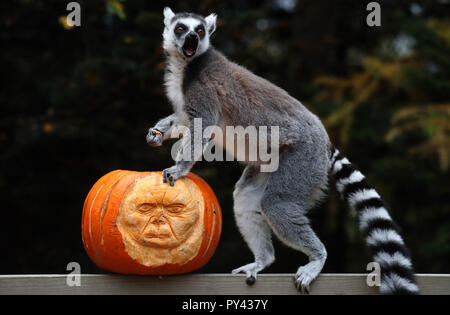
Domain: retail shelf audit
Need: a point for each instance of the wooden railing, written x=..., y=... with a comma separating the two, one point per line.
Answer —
x=204, y=284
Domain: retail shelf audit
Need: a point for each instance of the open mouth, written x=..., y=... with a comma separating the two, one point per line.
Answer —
x=190, y=46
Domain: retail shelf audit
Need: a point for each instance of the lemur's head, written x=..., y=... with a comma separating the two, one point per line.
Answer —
x=187, y=34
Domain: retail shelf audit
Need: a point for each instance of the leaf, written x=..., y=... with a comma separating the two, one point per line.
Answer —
x=433, y=121
x=115, y=7
x=63, y=21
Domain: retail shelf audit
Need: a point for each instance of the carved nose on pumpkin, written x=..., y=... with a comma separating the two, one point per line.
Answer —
x=156, y=220
x=158, y=217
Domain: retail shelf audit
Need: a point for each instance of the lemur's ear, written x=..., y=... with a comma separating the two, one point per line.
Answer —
x=211, y=22
x=168, y=15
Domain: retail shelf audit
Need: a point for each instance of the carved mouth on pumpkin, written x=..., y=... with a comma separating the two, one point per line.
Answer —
x=190, y=46
x=156, y=235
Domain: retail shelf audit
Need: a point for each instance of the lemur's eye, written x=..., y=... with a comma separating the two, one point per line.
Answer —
x=201, y=32
x=179, y=29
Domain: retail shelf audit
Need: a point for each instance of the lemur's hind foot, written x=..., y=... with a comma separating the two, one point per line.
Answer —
x=251, y=270
x=306, y=274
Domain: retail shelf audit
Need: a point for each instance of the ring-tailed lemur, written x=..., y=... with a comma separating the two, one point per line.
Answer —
x=202, y=83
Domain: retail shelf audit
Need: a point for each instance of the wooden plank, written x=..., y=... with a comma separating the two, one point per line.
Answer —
x=204, y=284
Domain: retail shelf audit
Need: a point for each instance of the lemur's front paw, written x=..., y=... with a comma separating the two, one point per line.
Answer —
x=171, y=174
x=251, y=270
x=154, y=137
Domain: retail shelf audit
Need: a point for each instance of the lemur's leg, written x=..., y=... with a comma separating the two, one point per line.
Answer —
x=161, y=131
x=286, y=201
x=251, y=222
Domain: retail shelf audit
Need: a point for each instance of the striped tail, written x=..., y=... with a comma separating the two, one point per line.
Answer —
x=380, y=231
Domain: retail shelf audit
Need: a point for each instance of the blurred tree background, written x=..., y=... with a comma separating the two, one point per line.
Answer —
x=76, y=103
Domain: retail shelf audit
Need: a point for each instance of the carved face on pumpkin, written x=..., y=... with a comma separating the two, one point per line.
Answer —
x=159, y=222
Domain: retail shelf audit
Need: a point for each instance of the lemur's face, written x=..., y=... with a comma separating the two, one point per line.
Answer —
x=187, y=34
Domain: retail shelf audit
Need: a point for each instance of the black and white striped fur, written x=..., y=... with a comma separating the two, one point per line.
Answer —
x=380, y=231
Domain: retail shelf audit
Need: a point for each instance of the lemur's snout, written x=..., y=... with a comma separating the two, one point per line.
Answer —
x=192, y=35
x=190, y=44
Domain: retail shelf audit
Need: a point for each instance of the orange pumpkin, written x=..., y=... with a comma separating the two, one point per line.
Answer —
x=133, y=223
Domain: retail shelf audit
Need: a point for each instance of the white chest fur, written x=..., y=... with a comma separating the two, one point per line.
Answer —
x=174, y=82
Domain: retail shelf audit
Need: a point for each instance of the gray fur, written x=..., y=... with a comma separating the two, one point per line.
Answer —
x=225, y=94
x=251, y=221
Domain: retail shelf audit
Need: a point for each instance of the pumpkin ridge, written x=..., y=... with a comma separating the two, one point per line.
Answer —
x=103, y=209
x=97, y=206
x=86, y=216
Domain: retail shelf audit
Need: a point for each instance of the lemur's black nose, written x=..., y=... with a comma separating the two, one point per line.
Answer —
x=192, y=35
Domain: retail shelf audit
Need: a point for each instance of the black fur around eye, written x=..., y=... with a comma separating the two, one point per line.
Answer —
x=200, y=30
x=179, y=29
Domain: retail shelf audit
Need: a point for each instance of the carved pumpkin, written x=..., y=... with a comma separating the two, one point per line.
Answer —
x=133, y=223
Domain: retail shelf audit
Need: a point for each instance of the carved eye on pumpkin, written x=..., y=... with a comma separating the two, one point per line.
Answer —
x=145, y=207
x=175, y=208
